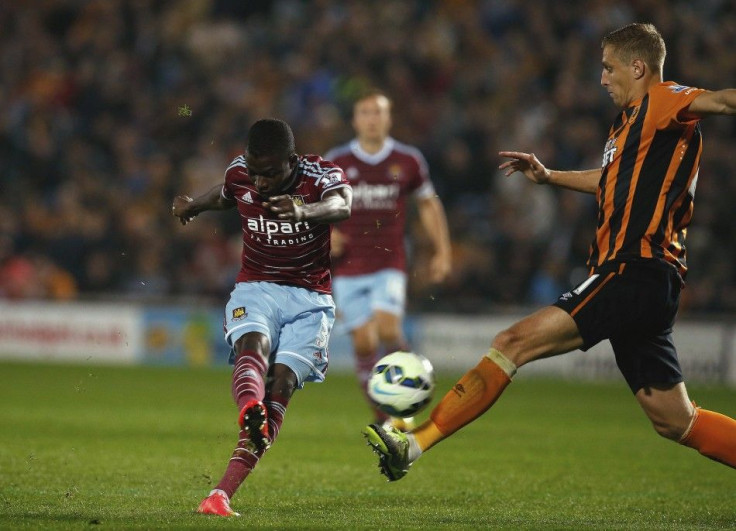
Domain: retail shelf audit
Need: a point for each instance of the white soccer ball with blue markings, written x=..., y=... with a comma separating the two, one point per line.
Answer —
x=401, y=383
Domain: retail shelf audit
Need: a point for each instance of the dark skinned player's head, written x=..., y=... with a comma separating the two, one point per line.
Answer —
x=271, y=156
x=271, y=137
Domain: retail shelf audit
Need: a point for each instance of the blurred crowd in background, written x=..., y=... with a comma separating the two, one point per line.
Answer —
x=111, y=107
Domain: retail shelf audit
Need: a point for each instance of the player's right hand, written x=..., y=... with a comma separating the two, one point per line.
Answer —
x=527, y=163
x=180, y=208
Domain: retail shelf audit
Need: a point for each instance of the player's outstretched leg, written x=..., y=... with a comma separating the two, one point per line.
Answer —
x=392, y=447
x=217, y=503
x=476, y=391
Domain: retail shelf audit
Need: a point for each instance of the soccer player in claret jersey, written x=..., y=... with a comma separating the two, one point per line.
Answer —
x=368, y=249
x=645, y=192
x=280, y=313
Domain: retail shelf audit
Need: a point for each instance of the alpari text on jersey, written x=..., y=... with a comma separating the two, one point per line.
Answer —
x=275, y=232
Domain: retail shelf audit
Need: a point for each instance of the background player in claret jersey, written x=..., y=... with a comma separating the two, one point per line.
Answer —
x=368, y=249
x=645, y=191
x=280, y=313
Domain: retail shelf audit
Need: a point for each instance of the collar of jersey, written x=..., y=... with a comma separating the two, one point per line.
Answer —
x=372, y=158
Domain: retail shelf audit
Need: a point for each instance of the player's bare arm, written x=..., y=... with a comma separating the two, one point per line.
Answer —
x=434, y=222
x=527, y=163
x=334, y=206
x=714, y=102
x=186, y=209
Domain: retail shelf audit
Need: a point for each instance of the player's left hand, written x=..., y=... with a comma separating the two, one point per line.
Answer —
x=285, y=207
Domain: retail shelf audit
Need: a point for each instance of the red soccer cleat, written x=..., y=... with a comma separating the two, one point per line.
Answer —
x=216, y=503
x=254, y=421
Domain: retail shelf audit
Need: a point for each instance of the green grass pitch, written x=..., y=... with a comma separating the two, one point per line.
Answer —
x=110, y=447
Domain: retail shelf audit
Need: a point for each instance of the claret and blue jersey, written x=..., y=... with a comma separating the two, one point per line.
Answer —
x=382, y=182
x=275, y=250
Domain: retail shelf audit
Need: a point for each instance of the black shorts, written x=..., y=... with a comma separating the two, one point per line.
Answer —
x=632, y=304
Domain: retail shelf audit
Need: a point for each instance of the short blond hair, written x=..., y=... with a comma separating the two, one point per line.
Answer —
x=370, y=93
x=638, y=41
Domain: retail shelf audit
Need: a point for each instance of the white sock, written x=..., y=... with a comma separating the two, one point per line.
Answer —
x=221, y=492
x=414, y=450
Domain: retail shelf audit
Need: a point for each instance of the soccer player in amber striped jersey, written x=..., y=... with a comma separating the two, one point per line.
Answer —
x=649, y=172
x=280, y=313
x=645, y=189
x=369, y=255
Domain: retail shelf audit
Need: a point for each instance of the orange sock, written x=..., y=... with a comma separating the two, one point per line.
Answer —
x=476, y=391
x=713, y=435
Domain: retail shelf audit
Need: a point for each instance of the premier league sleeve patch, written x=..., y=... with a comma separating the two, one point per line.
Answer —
x=239, y=313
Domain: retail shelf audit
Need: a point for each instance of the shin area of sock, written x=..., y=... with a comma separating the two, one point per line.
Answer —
x=248, y=380
x=713, y=435
x=469, y=398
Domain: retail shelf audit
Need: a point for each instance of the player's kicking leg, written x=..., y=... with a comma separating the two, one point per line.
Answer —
x=548, y=332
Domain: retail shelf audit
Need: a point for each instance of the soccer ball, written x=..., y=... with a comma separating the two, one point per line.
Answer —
x=401, y=383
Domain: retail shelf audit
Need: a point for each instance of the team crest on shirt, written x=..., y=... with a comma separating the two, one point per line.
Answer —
x=298, y=200
x=239, y=313
x=609, y=151
x=394, y=171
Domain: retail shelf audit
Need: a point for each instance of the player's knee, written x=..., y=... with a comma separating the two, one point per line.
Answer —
x=365, y=342
x=669, y=430
x=391, y=338
x=252, y=342
x=669, y=418
x=260, y=357
x=365, y=348
x=282, y=381
x=508, y=343
x=282, y=388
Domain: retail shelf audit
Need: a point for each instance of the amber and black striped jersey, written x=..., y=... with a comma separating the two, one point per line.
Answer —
x=650, y=169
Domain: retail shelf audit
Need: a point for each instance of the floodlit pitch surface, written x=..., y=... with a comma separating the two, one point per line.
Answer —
x=139, y=447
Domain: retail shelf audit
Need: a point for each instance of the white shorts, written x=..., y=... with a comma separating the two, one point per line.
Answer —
x=359, y=296
x=296, y=321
